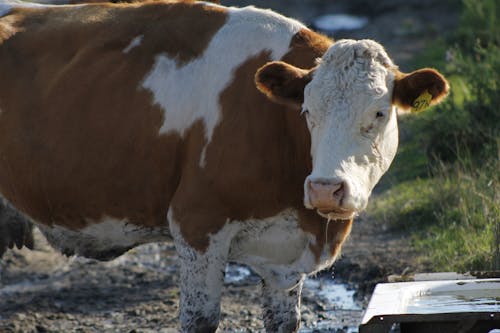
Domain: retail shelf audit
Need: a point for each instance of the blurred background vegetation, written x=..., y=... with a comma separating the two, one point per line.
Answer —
x=444, y=185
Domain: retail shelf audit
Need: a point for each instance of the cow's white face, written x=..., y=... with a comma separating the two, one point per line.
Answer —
x=349, y=103
x=353, y=125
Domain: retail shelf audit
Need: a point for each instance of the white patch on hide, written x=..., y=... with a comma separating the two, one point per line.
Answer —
x=190, y=92
x=135, y=42
x=265, y=239
x=278, y=250
x=102, y=236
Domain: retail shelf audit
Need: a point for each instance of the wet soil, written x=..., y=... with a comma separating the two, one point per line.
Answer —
x=44, y=291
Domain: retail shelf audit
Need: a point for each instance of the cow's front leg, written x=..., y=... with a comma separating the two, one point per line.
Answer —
x=281, y=308
x=202, y=279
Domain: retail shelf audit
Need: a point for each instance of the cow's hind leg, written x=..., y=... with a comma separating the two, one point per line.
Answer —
x=281, y=308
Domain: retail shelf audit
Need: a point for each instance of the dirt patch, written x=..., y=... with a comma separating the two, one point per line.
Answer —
x=371, y=254
x=44, y=291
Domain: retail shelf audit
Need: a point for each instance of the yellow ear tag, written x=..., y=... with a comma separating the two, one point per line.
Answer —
x=422, y=102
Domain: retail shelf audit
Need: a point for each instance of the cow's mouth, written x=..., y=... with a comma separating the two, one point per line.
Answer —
x=337, y=214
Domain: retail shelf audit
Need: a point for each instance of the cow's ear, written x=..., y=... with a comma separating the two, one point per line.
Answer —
x=283, y=83
x=419, y=89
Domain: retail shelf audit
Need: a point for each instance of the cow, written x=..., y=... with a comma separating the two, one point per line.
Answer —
x=237, y=133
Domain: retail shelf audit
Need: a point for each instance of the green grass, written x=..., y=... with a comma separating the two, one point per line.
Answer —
x=452, y=216
x=463, y=235
x=406, y=205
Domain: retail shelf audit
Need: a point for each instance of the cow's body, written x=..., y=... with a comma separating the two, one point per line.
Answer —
x=126, y=124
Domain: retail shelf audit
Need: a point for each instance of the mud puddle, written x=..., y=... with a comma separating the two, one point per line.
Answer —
x=334, y=304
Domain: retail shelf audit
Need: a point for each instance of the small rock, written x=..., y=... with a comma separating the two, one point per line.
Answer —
x=41, y=329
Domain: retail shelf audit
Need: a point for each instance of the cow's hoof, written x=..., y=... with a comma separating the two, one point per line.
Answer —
x=206, y=329
x=203, y=325
x=290, y=327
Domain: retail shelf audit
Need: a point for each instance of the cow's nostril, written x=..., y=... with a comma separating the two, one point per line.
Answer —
x=327, y=194
x=338, y=194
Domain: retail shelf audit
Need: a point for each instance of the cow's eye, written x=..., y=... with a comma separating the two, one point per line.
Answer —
x=380, y=115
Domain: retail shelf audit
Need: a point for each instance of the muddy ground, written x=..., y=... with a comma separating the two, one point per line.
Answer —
x=42, y=291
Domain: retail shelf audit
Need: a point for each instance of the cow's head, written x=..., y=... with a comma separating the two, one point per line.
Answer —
x=349, y=100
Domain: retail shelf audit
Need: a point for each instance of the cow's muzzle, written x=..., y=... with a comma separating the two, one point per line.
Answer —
x=327, y=196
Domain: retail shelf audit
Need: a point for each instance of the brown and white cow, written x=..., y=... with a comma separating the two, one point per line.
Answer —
x=235, y=132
